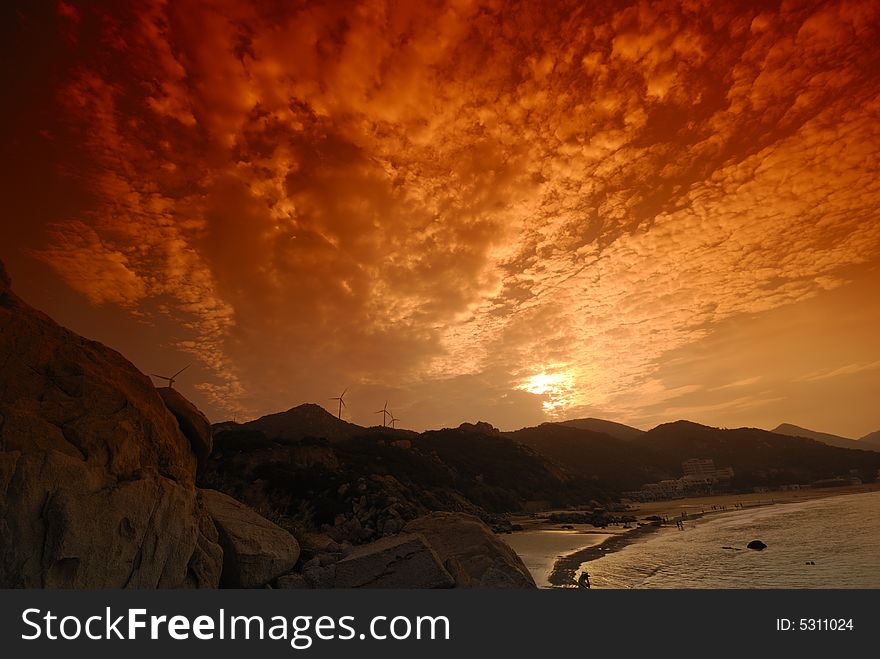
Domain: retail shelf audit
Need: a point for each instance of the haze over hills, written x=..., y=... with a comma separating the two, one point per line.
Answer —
x=617, y=430
x=868, y=442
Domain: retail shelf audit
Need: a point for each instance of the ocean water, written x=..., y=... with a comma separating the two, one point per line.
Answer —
x=841, y=535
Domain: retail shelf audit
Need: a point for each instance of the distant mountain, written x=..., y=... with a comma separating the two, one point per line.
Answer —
x=758, y=457
x=308, y=420
x=308, y=466
x=617, y=430
x=617, y=463
x=825, y=438
x=873, y=439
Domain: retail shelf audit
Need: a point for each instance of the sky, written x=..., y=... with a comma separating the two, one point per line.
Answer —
x=512, y=212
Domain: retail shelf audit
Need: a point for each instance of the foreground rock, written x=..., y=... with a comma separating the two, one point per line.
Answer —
x=193, y=424
x=471, y=552
x=402, y=561
x=757, y=545
x=255, y=551
x=96, y=479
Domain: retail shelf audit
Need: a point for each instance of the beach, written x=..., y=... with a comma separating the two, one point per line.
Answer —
x=555, y=556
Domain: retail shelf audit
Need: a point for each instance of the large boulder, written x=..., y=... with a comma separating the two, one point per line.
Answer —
x=401, y=561
x=96, y=480
x=193, y=423
x=471, y=552
x=255, y=551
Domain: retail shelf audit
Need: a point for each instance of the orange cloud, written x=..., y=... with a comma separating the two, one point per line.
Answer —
x=432, y=192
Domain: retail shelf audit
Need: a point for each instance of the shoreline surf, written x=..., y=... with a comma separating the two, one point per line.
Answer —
x=561, y=569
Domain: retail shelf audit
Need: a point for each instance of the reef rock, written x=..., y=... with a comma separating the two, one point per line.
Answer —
x=255, y=551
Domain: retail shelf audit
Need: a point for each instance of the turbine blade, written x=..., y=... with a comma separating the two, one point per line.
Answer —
x=181, y=370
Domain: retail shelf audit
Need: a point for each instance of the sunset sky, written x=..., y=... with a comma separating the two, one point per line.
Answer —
x=513, y=212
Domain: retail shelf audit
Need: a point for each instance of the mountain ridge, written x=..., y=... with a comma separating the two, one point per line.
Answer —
x=612, y=428
x=309, y=420
x=792, y=430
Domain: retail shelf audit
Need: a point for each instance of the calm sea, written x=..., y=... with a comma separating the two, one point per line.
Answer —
x=841, y=535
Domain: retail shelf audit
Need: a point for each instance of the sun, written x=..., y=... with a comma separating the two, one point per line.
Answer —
x=543, y=383
x=555, y=386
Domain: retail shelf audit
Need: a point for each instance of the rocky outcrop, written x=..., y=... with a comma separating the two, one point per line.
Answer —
x=479, y=428
x=402, y=561
x=96, y=480
x=470, y=552
x=193, y=424
x=255, y=551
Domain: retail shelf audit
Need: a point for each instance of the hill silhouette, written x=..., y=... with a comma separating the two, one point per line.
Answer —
x=616, y=430
x=758, y=457
x=872, y=439
x=594, y=455
x=308, y=420
x=826, y=438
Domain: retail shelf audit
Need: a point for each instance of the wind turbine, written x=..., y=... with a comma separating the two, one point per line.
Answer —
x=341, y=399
x=384, y=412
x=172, y=378
x=393, y=419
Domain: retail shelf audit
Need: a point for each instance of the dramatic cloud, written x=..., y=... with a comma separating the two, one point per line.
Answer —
x=514, y=211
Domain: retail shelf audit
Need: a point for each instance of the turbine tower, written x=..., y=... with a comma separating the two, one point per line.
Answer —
x=384, y=412
x=341, y=399
x=172, y=378
x=393, y=418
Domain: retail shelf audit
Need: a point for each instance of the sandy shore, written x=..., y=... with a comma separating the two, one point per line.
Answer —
x=694, y=505
x=555, y=556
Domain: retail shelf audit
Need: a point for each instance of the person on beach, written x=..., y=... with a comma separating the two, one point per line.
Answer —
x=584, y=580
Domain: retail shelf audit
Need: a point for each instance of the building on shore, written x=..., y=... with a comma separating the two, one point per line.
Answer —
x=705, y=468
x=701, y=477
